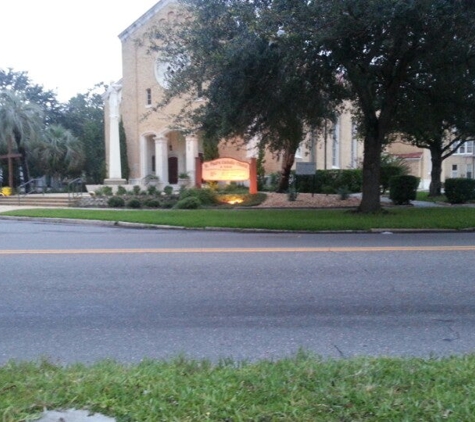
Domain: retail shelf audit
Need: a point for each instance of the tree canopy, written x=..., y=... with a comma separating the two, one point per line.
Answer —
x=20, y=124
x=251, y=81
x=372, y=51
x=383, y=48
x=439, y=114
x=82, y=116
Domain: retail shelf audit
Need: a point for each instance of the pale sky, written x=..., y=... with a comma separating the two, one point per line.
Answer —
x=66, y=45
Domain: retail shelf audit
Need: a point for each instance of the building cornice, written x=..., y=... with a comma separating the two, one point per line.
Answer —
x=124, y=35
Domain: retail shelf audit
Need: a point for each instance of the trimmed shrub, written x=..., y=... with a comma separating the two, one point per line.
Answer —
x=189, y=203
x=168, y=202
x=152, y=190
x=459, y=190
x=136, y=190
x=116, y=202
x=168, y=190
x=134, y=203
x=121, y=190
x=152, y=203
x=330, y=181
x=387, y=173
x=352, y=180
x=107, y=191
x=205, y=196
x=403, y=189
x=328, y=190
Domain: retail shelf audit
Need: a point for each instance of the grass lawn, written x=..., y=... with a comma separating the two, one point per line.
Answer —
x=424, y=196
x=302, y=388
x=455, y=218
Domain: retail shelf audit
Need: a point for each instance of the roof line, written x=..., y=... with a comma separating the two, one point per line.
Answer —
x=144, y=19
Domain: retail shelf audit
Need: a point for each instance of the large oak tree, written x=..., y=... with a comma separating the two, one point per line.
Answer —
x=253, y=86
x=375, y=49
x=381, y=47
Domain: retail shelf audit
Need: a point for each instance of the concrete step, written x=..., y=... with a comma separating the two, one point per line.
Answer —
x=39, y=201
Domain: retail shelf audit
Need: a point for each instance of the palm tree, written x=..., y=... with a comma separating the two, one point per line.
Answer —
x=58, y=153
x=21, y=122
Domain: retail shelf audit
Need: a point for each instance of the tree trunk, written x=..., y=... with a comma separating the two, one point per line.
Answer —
x=435, y=188
x=287, y=163
x=23, y=159
x=370, y=202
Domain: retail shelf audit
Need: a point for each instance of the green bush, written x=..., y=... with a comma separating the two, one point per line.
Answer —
x=134, y=203
x=168, y=202
x=352, y=180
x=152, y=203
x=205, y=196
x=116, y=202
x=189, y=203
x=136, y=190
x=107, y=191
x=459, y=190
x=233, y=187
x=121, y=190
x=387, y=173
x=168, y=190
x=343, y=192
x=330, y=181
x=403, y=189
x=328, y=190
x=152, y=190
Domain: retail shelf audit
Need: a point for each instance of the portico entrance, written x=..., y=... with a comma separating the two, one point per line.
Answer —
x=168, y=154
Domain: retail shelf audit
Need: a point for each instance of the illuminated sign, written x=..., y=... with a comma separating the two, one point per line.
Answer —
x=227, y=169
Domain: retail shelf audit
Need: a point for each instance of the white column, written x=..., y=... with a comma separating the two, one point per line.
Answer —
x=161, y=159
x=113, y=166
x=143, y=157
x=191, y=154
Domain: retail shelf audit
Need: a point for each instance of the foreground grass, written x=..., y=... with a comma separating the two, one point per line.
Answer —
x=456, y=218
x=297, y=389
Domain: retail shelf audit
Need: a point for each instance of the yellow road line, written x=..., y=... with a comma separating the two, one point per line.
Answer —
x=238, y=250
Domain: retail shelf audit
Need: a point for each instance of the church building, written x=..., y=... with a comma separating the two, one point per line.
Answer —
x=155, y=149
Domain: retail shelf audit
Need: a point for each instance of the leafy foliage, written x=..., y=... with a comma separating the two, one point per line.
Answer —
x=205, y=196
x=403, y=189
x=21, y=122
x=330, y=181
x=116, y=202
x=188, y=203
x=21, y=84
x=83, y=115
x=382, y=49
x=58, y=153
x=252, y=85
x=459, y=190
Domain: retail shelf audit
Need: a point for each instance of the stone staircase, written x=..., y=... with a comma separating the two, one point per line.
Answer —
x=58, y=200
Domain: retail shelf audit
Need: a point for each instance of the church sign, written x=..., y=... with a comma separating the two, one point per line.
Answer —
x=226, y=169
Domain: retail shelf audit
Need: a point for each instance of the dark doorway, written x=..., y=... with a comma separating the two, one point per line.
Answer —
x=173, y=170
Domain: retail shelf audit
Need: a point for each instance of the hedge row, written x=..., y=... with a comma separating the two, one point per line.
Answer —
x=330, y=181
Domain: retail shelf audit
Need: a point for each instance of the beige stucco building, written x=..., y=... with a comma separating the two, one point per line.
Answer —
x=155, y=147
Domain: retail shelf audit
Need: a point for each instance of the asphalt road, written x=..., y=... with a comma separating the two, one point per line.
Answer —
x=84, y=293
